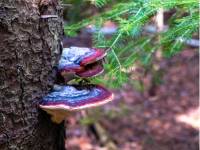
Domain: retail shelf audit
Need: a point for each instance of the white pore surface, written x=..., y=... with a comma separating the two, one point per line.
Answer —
x=73, y=55
x=69, y=91
x=71, y=94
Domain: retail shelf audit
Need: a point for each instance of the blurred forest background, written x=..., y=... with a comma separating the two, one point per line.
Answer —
x=152, y=68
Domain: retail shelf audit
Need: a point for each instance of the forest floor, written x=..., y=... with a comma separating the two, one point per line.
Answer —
x=159, y=117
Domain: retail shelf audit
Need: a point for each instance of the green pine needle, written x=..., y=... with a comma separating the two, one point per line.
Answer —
x=130, y=44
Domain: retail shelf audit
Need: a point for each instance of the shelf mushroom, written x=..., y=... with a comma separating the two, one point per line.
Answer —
x=78, y=59
x=91, y=70
x=73, y=98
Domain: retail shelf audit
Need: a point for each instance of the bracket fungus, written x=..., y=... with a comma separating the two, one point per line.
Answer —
x=74, y=59
x=84, y=63
x=72, y=98
x=91, y=70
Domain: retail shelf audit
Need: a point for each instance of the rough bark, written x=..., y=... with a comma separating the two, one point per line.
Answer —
x=29, y=50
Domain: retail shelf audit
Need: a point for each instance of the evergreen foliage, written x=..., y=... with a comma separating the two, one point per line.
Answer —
x=130, y=43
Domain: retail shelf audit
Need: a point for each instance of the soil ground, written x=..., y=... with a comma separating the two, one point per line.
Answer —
x=161, y=117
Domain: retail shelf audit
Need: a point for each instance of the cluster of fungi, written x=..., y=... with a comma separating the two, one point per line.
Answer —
x=82, y=63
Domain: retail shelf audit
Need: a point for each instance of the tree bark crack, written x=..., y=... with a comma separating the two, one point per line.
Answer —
x=20, y=74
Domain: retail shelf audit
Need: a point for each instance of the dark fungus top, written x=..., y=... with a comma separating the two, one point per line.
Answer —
x=91, y=70
x=74, y=57
x=73, y=97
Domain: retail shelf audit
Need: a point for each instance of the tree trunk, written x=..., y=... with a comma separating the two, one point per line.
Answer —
x=29, y=50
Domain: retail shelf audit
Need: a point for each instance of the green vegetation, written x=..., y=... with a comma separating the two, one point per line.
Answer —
x=131, y=44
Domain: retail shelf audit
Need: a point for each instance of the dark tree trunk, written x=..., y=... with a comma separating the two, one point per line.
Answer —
x=29, y=50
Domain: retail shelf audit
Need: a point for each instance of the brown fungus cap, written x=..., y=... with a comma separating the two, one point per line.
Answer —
x=91, y=70
x=73, y=98
x=73, y=59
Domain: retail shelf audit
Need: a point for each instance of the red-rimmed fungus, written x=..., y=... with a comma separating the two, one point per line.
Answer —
x=84, y=63
x=78, y=61
x=91, y=70
x=74, y=58
x=73, y=98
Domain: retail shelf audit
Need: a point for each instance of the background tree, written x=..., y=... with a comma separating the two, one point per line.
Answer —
x=29, y=50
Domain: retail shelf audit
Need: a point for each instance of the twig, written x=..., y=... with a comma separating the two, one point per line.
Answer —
x=151, y=29
x=111, y=47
